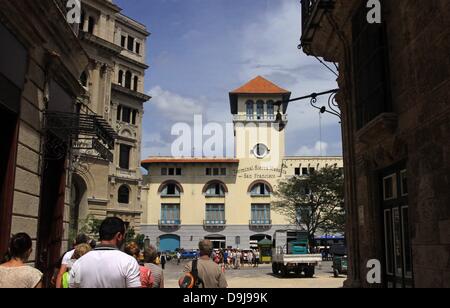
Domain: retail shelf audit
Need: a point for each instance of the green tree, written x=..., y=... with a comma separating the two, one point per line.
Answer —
x=131, y=236
x=314, y=202
x=90, y=226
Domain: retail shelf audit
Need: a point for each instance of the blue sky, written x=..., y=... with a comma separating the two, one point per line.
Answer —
x=200, y=50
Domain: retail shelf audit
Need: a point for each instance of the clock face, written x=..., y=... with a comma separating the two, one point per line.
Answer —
x=260, y=150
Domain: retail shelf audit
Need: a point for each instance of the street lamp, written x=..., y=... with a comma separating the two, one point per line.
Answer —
x=332, y=108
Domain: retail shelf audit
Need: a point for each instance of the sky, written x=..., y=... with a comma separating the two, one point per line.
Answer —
x=200, y=50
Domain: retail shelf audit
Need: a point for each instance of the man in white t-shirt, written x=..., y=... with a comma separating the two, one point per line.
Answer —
x=81, y=239
x=106, y=266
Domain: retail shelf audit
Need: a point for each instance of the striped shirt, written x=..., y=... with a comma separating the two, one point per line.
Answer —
x=158, y=276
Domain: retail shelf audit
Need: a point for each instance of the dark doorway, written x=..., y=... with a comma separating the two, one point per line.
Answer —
x=51, y=212
x=398, y=270
x=218, y=241
x=8, y=151
x=78, y=205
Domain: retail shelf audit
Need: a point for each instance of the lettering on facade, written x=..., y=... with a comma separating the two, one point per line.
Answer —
x=260, y=173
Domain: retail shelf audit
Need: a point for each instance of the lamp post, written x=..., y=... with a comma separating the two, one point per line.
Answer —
x=332, y=108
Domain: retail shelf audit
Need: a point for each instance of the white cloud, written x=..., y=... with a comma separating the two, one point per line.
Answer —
x=320, y=148
x=173, y=106
x=269, y=48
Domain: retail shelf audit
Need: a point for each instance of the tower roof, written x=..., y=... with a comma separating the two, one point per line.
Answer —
x=258, y=85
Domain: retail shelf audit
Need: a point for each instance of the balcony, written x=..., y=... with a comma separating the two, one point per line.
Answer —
x=89, y=132
x=214, y=223
x=260, y=224
x=313, y=12
x=169, y=223
x=257, y=118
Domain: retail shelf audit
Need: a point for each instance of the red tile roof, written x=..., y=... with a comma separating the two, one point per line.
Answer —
x=260, y=85
x=168, y=160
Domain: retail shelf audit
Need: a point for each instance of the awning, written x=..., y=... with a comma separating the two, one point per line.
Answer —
x=94, y=131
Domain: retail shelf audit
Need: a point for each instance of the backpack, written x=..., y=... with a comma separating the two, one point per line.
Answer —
x=192, y=280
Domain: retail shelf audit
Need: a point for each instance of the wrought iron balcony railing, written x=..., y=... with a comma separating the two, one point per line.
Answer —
x=214, y=223
x=169, y=223
x=264, y=223
x=88, y=131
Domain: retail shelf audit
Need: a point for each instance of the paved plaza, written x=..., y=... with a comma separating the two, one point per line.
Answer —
x=262, y=277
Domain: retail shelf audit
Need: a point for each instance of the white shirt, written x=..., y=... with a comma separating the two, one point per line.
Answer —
x=67, y=257
x=105, y=268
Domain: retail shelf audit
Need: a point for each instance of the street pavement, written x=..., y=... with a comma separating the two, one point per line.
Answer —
x=262, y=277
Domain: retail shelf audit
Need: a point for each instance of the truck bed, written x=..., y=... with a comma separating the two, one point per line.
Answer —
x=298, y=259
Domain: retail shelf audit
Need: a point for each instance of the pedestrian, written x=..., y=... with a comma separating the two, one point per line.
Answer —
x=80, y=239
x=250, y=258
x=178, y=258
x=80, y=251
x=132, y=249
x=106, y=266
x=15, y=273
x=150, y=257
x=163, y=261
x=210, y=275
x=257, y=256
x=238, y=259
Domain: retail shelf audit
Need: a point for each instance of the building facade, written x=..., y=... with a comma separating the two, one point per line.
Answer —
x=41, y=60
x=114, y=83
x=394, y=99
x=227, y=200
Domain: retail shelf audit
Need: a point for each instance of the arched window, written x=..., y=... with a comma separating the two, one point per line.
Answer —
x=170, y=189
x=215, y=190
x=271, y=110
x=120, y=77
x=250, y=110
x=260, y=110
x=136, y=83
x=124, y=195
x=128, y=77
x=84, y=79
x=260, y=189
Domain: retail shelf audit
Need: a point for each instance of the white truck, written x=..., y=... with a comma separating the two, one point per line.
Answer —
x=291, y=253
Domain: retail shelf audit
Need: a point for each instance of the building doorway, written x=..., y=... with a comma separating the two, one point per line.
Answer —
x=78, y=205
x=51, y=212
x=396, y=225
x=169, y=243
x=8, y=152
x=218, y=241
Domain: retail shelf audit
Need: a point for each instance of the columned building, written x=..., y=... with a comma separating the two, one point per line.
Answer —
x=114, y=83
x=227, y=200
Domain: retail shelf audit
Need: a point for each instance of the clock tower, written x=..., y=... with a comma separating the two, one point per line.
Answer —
x=256, y=115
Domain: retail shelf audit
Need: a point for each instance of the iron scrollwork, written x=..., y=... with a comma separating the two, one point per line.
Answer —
x=333, y=107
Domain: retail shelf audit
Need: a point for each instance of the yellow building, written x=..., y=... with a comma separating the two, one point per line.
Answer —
x=227, y=200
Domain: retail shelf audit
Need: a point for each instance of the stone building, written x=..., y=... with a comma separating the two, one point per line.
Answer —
x=114, y=83
x=41, y=60
x=394, y=81
x=227, y=200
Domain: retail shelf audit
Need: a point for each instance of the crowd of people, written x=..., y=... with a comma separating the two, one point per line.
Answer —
x=112, y=263
x=236, y=258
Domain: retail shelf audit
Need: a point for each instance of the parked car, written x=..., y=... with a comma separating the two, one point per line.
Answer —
x=189, y=255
